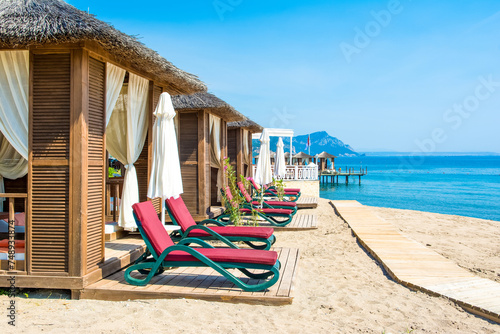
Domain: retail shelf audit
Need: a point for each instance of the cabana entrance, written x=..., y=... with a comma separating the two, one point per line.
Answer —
x=56, y=207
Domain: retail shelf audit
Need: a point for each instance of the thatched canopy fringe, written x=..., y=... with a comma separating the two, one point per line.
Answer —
x=207, y=101
x=302, y=155
x=246, y=124
x=326, y=155
x=31, y=23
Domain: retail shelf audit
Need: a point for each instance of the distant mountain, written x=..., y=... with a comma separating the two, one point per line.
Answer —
x=320, y=141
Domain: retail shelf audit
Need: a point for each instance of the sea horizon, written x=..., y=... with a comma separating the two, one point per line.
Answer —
x=465, y=185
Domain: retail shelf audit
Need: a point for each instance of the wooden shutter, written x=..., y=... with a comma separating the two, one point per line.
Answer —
x=96, y=176
x=49, y=177
x=232, y=149
x=188, y=153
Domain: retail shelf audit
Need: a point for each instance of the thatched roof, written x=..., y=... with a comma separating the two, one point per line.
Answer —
x=246, y=124
x=273, y=155
x=207, y=101
x=324, y=155
x=31, y=23
x=302, y=155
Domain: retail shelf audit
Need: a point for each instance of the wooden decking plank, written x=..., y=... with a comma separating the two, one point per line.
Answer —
x=283, y=258
x=418, y=267
x=286, y=280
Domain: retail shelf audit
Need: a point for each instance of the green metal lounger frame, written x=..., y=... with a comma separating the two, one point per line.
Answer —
x=152, y=266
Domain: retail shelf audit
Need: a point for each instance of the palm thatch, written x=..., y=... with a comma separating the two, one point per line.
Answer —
x=32, y=23
x=302, y=155
x=324, y=155
x=246, y=124
x=209, y=102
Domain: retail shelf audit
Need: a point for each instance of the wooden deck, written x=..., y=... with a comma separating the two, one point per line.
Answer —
x=307, y=202
x=299, y=222
x=417, y=267
x=199, y=283
x=120, y=253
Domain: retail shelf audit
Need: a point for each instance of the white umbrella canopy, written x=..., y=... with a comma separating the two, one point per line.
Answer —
x=280, y=165
x=263, y=174
x=165, y=180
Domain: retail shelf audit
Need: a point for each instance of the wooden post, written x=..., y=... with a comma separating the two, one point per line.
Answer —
x=12, y=233
x=78, y=163
x=202, y=167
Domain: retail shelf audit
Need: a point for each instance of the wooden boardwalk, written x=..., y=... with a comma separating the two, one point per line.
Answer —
x=307, y=202
x=417, y=267
x=199, y=283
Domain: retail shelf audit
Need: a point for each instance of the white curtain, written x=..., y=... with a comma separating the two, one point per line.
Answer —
x=12, y=164
x=246, y=150
x=114, y=83
x=215, y=151
x=125, y=136
x=14, y=113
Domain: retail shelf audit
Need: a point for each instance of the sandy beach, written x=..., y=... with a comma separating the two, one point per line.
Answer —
x=339, y=289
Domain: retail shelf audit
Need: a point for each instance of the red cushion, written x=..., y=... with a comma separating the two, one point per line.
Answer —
x=286, y=192
x=269, y=211
x=180, y=212
x=17, y=243
x=248, y=198
x=228, y=255
x=153, y=227
x=277, y=203
x=236, y=231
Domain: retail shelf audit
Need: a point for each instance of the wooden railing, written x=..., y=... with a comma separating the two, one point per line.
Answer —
x=297, y=173
x=114, y=188
x=10, y=216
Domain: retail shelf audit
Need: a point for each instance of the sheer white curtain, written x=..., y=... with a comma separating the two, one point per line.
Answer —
x=114, y=83
x=125, y=136
x=246, y=149
x=14, y=113
x=12, y=164
x=215, y=150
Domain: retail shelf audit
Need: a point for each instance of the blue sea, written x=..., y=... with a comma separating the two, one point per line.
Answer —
x=456, y=185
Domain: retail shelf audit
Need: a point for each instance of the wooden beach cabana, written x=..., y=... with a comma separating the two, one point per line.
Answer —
x=239, y=143
x=322, y=160
x=61, y=70
x=203, y=138
x=301, y=158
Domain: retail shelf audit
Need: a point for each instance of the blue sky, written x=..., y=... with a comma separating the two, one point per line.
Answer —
x=380, y=75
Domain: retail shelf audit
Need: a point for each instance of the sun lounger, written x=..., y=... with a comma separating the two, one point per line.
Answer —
x=266, y=204
x=270, y=215
x=292, y=193
x=161, y=253
x=180, y=215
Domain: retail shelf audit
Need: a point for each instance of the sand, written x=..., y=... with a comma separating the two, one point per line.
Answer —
x=339, y=289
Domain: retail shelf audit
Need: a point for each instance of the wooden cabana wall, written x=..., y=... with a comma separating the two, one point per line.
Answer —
x=199, y=176
x=235, y=145
x=65, y=185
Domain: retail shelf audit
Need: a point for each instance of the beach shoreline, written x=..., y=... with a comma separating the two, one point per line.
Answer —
x=339, y=288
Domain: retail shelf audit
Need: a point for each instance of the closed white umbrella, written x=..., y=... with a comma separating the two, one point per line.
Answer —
x=280, y=165
x=165, y=180
x=263, y=174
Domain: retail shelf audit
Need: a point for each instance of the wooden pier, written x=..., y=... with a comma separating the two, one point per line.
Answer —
x=332, y=176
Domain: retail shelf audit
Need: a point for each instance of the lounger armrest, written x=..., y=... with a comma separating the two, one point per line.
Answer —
x=211, y=232
x=197, y=241
x=211, y=221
